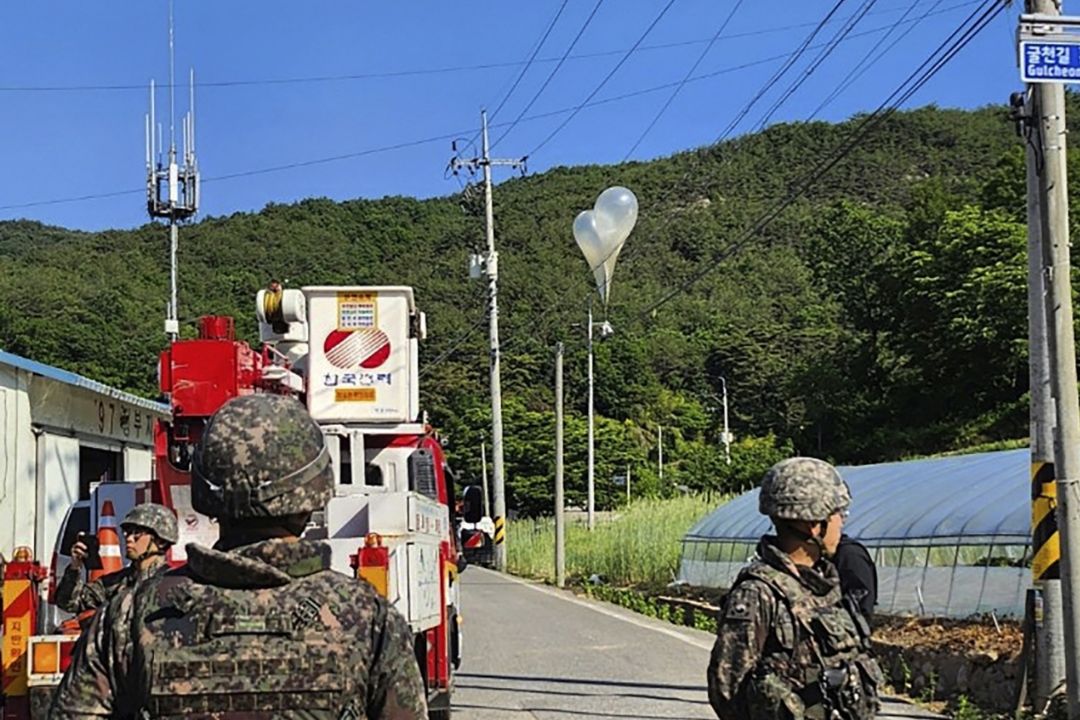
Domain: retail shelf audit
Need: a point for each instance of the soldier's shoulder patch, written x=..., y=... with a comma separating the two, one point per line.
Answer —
x=741, y=603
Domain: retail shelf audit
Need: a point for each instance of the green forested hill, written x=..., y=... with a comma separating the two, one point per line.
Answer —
x=883, y=314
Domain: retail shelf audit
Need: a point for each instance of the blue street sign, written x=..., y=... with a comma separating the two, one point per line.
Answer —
x=1043, y=61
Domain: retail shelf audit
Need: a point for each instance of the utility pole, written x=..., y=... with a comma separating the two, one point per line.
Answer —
x=1045, y=539
x=660, y=451
x=491, y=264
x=560, y=523
x=592, y=437
x=628, y=484
x=727, y=437
x=1048, y=120
x=605, y=331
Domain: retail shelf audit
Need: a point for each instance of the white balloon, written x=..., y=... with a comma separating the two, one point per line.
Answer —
x=602, y=231
x=588, y=238
x=618, y=209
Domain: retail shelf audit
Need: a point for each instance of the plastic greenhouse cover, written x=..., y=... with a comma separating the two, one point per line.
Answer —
x=984, y=497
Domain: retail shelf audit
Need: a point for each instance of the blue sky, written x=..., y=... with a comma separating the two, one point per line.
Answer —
x=422, y=70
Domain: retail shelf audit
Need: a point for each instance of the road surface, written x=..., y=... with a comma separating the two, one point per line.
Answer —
x=533, y=652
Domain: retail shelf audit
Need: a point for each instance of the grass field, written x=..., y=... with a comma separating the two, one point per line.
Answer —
x=639, y=546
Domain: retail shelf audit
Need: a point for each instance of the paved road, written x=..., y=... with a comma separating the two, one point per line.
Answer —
x=538, y=653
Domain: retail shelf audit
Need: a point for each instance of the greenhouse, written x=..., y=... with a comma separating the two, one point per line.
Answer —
x=950, y=536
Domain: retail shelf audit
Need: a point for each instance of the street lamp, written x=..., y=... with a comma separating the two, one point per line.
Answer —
x=601, y=234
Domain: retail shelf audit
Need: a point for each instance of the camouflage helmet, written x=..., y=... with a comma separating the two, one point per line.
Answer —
x=803, y=488
x=261, y=456
x=158, y=519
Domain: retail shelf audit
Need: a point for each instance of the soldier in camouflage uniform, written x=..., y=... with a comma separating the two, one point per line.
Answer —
x=258, y=626
x=788, y=647
x=149, y=531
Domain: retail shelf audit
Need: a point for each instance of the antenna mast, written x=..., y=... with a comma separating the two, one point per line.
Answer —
x=172, y=190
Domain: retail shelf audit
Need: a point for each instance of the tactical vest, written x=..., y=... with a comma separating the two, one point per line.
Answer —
x=222, y=653
x=820, y=667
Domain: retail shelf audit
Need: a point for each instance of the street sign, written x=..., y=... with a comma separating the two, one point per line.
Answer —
x=1046, y=61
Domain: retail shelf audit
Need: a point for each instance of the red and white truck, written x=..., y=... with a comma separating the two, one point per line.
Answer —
x=351, y=355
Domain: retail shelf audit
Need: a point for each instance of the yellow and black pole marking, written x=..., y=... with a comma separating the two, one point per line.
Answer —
x=1045, y=541
x=500, y=530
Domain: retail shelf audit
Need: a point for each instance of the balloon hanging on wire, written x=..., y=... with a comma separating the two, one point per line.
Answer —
x=602, y=232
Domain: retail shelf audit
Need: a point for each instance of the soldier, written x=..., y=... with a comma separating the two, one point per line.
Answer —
x=257, y=626
x=149, y=531
x=788, y=647
x=858, y=575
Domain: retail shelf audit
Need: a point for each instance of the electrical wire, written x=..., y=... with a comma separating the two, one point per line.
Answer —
x=248, y=173
x=141, y=87
x=551, y=75
x=532, y=58
x=792, y=59
x=453, y=347
x=891, y=103
x=460, y=134
x=608, y=77
x=914, y=82
x=686, y=78
x=870, y=59
x=842, y=33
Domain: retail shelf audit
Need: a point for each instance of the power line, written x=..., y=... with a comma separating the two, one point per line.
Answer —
x=870, y=59
x=792, y=59
x=551, y=75
x=845, y=147
x=686, y=78
x=389, y=74
x=842, y=33
x=249, y=173
x=453, y=346
x=608, y=77
x=914, y=82
x=451, y=136
x=532, y=58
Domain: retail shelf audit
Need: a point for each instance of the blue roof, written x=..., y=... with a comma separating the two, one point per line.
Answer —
x=70, y=378
x=978, y=498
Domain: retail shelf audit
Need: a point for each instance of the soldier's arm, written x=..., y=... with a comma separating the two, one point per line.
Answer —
x=748, y=613
x=88, y=689
x=70, y=583
x=395, y=688
x=76, y=596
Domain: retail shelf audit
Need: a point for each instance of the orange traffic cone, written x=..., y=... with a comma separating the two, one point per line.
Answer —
x=109, y=541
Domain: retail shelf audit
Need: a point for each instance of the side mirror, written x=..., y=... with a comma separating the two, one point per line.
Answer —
x=472, y=504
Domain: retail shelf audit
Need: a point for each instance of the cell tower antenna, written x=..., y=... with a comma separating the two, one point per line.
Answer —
x=172, y=87
x=172, y=189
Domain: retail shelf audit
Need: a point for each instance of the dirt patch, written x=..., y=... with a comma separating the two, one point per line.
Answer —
x=968, y=666
x=960, y=637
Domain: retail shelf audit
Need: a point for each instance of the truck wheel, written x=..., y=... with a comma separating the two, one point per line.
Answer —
x=439, y=706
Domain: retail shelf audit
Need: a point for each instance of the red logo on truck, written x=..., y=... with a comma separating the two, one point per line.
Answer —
x=367, y=347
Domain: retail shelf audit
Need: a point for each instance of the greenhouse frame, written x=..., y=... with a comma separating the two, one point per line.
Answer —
x=951, y=536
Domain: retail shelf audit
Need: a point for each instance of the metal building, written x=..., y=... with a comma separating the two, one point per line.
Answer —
x=59, y=434
x=951, y=536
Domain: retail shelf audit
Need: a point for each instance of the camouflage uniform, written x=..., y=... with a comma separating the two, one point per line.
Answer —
x=260, y=630
x=787, y=647
x=75, y=595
